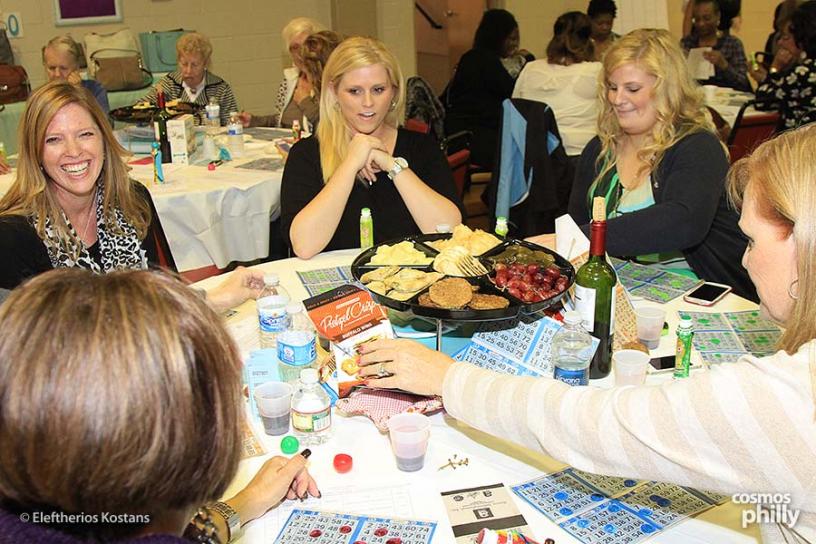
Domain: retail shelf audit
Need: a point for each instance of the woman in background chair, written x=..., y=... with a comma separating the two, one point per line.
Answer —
x=192, y=81
x=602, y=14
x=120, y=404
x=790, y=79
x=480, y=84
x=567, y=81
x=295, y=96
x=61, y=58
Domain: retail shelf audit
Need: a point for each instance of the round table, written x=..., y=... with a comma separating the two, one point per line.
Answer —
x=376, y=487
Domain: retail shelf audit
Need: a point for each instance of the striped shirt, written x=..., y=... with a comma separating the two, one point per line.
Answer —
x=747, y=427
x=172, y=85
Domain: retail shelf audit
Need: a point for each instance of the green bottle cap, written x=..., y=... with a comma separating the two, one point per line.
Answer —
x=289, y=444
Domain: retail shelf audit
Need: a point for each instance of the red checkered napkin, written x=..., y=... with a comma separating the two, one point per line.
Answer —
x=380, y=404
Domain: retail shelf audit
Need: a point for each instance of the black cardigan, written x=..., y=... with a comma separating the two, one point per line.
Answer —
x=23, y=253
x=691, y=212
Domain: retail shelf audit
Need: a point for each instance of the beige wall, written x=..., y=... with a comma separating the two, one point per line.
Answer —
x=247, y=49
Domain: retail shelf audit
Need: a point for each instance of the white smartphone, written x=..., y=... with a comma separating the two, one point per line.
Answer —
x=707, y=293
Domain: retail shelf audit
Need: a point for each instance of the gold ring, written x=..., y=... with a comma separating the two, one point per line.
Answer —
x=382, y=372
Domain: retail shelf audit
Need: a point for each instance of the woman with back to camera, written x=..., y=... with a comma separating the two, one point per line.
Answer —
x=744, y=427
x=295, y=97
x=660, y=166
x=567, y=81
x=473, y=99
x=192, y=81
x=72, y=204
x=360, y=159
x=120, y=395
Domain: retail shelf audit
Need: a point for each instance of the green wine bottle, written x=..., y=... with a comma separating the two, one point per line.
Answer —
x=160, y=128
x=595, y=293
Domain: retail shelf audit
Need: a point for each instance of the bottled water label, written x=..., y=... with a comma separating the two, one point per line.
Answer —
x=272, y=314
x=311, y=422
x=235, y=130
x=572, y=377
x=296, y=348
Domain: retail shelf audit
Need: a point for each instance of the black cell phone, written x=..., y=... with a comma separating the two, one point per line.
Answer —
x=707, y=294
x=663, y=363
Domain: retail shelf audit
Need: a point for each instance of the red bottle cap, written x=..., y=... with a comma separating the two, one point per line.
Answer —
x=343, y=463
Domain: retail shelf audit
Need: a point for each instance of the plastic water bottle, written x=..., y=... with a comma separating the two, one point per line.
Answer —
x=213, y=110
x=572, y=351
x=272, y=311
x=235, y=136
x=311, y=410
x=296, y=345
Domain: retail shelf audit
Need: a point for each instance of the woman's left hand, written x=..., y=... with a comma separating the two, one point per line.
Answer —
x=716, y=58
x=412, y=366
x=279, y=478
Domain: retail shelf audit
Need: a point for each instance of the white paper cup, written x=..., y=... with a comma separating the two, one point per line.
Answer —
x=630, y=366
x=650, y=325
x=274, y=402
x=710, y=93
x=409, y=434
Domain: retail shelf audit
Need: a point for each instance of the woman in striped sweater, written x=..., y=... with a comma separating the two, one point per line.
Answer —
x=748, y=427
x=192, y=80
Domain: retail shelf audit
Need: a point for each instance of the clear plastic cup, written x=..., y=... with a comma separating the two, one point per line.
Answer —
x=409, y=434
x=630, y=366
x=274, y=402
x=650, y=325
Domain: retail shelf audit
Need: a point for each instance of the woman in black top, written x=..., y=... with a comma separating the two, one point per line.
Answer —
x=359, y=159
x=480, y=85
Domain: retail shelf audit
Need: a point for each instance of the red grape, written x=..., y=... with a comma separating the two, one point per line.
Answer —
x=533, y=268
x=512, y=291
x=528, y=297
x=539, y=278
x=516, y=267
x=527, y=278
x=553, y=271
x=501, y=280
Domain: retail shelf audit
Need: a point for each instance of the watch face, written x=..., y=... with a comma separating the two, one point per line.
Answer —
x=401, y=162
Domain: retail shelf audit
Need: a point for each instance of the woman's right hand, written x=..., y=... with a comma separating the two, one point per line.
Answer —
x=4, y=166
x=359, y=150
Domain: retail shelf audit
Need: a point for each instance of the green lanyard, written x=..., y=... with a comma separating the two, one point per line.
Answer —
x=613, y=185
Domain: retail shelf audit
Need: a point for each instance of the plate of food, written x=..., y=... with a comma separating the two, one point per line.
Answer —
x=144, y=112
x=466, y=275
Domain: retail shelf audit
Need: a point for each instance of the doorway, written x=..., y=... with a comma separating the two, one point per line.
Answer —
x=443, y=31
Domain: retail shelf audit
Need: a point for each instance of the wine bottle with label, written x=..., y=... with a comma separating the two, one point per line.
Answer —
x=160, y=128
x=595, y=293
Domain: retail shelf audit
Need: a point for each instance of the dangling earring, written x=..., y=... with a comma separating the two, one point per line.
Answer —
x=790, y=289
x=393, y=105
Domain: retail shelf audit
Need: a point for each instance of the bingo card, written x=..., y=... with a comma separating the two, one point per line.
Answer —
x=315, y=527
x=319, y=281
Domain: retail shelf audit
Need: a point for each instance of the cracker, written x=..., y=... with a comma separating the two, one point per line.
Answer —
x=451, y=293
x=379, y=274
x=425, y=300
x=488, y=302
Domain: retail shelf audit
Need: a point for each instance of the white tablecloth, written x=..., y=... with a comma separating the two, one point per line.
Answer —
x=727, y=102
x=212, y=217
x=375, y=486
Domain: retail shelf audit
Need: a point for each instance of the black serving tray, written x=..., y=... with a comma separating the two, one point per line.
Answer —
x=360, y=266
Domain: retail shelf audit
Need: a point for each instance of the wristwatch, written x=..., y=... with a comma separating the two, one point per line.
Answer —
x=230, y=516
x=400, y=164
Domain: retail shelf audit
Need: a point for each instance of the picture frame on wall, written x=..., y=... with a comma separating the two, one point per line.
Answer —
x=87, y=12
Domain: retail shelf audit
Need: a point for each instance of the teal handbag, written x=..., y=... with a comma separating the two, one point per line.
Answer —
x=159, y=49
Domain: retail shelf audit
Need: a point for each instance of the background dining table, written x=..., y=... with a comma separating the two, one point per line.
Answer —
x=376, y=487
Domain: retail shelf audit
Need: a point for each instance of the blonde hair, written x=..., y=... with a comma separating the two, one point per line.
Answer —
x=299, y=25
x=782, y=178
x=332, y=132
x=31, y=195
x=66, y=43
x=315, y=53
x=119, y=393
x=195, y=42
x=678, y=99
